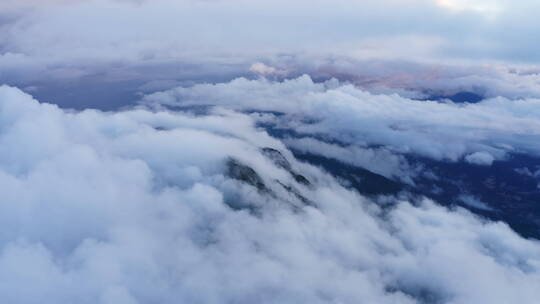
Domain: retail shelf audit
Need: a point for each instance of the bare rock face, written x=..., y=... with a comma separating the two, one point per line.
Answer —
x=301, y=179
x=277, y=157
x=237, y=170
x=246, y=174
x=280, y=161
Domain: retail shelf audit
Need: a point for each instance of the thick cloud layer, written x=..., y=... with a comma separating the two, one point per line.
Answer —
x=357, y=28
x=478, y=133
x=118, y=48
x=136, y=207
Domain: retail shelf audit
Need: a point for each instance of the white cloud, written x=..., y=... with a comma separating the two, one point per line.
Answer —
x=377, y=160
x=442, y=131
x=474, y=202
x=133, y=207
x=265, y=70
x=480, y=158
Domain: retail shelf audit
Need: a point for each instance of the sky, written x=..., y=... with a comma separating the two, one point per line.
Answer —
x=134, y=163
x=131, y=47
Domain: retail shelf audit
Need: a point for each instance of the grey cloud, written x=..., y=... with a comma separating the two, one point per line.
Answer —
x=118, y=41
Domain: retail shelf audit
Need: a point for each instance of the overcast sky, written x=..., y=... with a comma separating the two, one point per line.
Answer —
x=491, y=30
x=44, y=43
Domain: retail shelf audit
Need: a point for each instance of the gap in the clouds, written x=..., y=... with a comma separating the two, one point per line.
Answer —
x=509, y=195
x=423, y=294
x=508, y=187
x=104, y=94
x=99, y=96
x=459, y=97
x=363, y=180
x=507, y=190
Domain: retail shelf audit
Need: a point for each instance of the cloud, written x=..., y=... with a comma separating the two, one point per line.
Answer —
x=135, y=206
x=480, y=158
x=265, y=70
x=422, y=80
x=377, y=160
x=527, y=172
x=438, y=130
x=131, y=43
x=345, y=26
x=474, y=202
